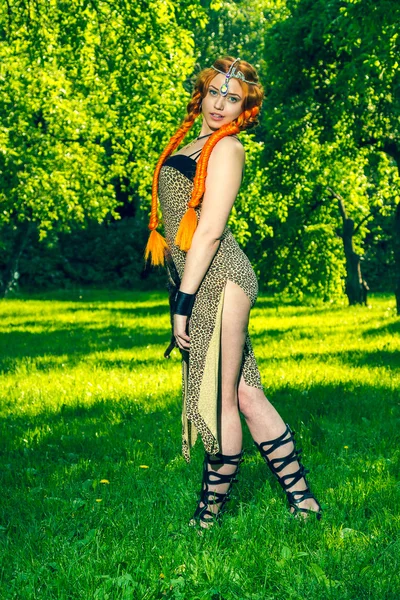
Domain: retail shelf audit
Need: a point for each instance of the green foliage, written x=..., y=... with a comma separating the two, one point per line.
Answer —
x=312, y=134
x=54, y=124
x=253, y=209
x=326, y=116
x=111, y=251
x=238, y=28
x=96, y=495
x=88, y=95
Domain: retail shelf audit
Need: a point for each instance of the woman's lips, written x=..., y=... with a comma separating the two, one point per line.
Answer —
x=216, y=117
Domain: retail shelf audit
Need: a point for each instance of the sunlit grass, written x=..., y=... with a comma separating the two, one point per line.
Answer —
x=86, y=398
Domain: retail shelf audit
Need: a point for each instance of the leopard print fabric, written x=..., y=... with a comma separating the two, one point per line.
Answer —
x=229, y=263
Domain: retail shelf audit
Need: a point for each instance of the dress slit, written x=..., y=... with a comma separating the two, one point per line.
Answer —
x=202, y=402
x=201, y=366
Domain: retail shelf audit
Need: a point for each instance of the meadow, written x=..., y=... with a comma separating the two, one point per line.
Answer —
x=95, y=495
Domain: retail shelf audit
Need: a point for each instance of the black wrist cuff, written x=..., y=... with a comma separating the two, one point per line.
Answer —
x=184, y=303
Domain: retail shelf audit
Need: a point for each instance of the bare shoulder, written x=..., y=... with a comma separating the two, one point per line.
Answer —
x=228, y=150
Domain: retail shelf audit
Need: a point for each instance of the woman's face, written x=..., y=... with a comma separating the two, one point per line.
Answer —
x=220, y=110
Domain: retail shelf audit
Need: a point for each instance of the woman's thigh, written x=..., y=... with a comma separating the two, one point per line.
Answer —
x=235, y=319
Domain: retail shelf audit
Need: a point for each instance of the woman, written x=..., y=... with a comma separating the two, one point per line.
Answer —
x=216, y=285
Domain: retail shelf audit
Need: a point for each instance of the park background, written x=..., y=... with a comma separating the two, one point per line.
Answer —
x=95, y=494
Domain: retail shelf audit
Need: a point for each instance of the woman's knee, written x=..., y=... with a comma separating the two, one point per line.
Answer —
x=245, y=398
x=249, y=399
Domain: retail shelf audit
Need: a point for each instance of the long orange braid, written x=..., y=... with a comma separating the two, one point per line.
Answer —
x=157, y=244
x=188, y=224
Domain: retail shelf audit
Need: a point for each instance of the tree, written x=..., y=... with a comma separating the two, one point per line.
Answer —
x=89, y=92
x=356, y=287
x=333, y=86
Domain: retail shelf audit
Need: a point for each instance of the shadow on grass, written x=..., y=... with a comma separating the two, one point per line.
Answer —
x=55, y=511
x=392, y=328
x=138, y=310
x=109, y=432
x=52, y=464
x=102, y=431
x=124, y=432
x=76, y=342
x=299, y=331
x=377, y=358
x=90, y=295
x=388, y=359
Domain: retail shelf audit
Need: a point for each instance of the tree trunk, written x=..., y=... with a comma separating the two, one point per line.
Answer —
x=12, y=271
x=356, y=287
x=397, y=256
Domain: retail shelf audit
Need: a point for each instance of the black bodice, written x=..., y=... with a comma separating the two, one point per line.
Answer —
x=183, y=164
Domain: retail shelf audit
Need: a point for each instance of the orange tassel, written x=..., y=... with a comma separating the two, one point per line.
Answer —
x=156, y=246
x=186, y=230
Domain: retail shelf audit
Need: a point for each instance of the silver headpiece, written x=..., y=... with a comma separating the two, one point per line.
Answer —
x=232, y=72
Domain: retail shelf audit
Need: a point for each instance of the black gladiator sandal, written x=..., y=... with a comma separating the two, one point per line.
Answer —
x=211, y=497
x=276, y=465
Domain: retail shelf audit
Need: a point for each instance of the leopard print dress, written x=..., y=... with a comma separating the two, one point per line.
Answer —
x=201, y=366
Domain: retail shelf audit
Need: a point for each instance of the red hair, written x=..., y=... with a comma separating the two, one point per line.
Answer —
x=252, y=100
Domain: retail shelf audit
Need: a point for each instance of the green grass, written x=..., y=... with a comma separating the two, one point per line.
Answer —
x=86, y=396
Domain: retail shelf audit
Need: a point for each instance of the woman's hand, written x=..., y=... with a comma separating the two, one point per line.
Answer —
x=181, y=337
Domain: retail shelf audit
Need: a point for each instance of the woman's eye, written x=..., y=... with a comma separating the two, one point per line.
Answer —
x=233, y=99
x=213, y=92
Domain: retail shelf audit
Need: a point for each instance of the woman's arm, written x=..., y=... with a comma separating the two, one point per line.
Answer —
x=224, y=174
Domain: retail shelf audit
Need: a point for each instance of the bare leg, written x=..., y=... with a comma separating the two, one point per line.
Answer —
x=265, y=423
x=235, y=317
x=262, y=418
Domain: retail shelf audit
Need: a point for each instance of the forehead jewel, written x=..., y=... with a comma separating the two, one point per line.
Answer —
x=233, y=71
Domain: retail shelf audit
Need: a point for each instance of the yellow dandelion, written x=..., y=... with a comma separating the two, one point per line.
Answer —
x=346, y=447
x=162, y=576
x=104, y=481
x=143, y=467
x=99, y=499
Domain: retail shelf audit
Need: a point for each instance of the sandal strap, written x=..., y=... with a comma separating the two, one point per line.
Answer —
x=204, y=514
x=278, y=464
x=212, y=497
x=210, y=477
x=287, y=481
x=225, y=459
x=290, y=479
x=317, y=514
x=294, y=503
x=215, y=478
x=276, y=443
x=297, y=497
